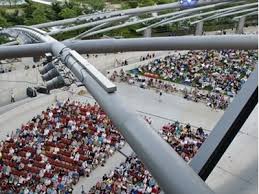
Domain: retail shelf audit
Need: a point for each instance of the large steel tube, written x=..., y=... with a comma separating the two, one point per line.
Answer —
x=138, y=44
x=168, y=168
x=166, y=43
x=28, y=50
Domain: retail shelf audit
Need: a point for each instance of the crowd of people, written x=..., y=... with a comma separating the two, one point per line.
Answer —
x=48, y=154
x=131, y=177
x=147, y=57
x=220, y=71
x=215, y=100
x=213, y=76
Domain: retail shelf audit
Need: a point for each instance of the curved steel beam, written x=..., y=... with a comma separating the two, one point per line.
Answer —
x=135, y=11
x=126, y=24
x=224, y=14
x=199, y=15
x=197, y=9
x=90, y=24
x=166, y=164
x=245, y=15
x=138, y=134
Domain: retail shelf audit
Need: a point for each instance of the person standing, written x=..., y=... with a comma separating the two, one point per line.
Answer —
x=12, y=96
x=160, y=96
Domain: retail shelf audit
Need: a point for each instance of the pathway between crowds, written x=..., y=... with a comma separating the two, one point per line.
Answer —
x=236, y=171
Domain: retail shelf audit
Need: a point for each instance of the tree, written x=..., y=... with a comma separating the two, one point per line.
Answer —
x=38, y=16
x=3, y=22
x=68, y=13
x=11, y=2
x=56, y=8
x=96, y=4
x=146, y=2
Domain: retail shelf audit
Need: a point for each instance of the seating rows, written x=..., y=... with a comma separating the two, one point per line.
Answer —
x=49, y=153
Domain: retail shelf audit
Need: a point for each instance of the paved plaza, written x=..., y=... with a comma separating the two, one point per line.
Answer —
x=235, y=173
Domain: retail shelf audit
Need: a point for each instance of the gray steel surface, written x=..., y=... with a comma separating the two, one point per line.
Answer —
x=227, y=128
x=188, y=11
x=201, y=14
x=137, y=44
x=149, y=19
x=248, y=14
x=134, y=129
x=227, y=10
x=216, y=16
x=155, y=153
x=91, y=30
x=90, y=24
x=135, y=11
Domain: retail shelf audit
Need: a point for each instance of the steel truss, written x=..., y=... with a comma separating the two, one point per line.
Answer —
x=171, y=172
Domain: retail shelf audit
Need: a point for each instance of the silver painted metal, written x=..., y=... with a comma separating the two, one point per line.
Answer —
x=241, y=25
x=134, y=129
x=199, y=29
x=130, y=125
x=90, y=30
x=106, y=84
x=165, y=43
x=187, y=12
x=248, y=14
x=137, y=44
x=90, y=24
x=10, y=43
x=216, y=16
x=206, y=13
x=174, y=16
x=145, y=20
x=181, y=13
x=135, y=11
x=228, y=10
x=227, y=128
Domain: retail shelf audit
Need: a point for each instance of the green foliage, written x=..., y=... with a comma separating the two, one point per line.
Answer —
x=3, y=22
x=3, y=40
x=34, y=13
x=67, y=13
x=38, y=16
x=133, y=3
x=96, y=4
x=56, y=9
x=143, y=3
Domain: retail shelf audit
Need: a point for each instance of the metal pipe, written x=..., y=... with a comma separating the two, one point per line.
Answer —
x=15, y=42
x=175, y=14
x=77, y=27
x=130, y=125
x=162, y=161
x=248, y=14
x=166, y=43
x=227, y=128
x=27, y=50
x=90, y=30
x=199, y=15
x=143, y=20
x=216, y=16
x=135, y=11
x=164, y=20
x=138, y=44
x=236, y=12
